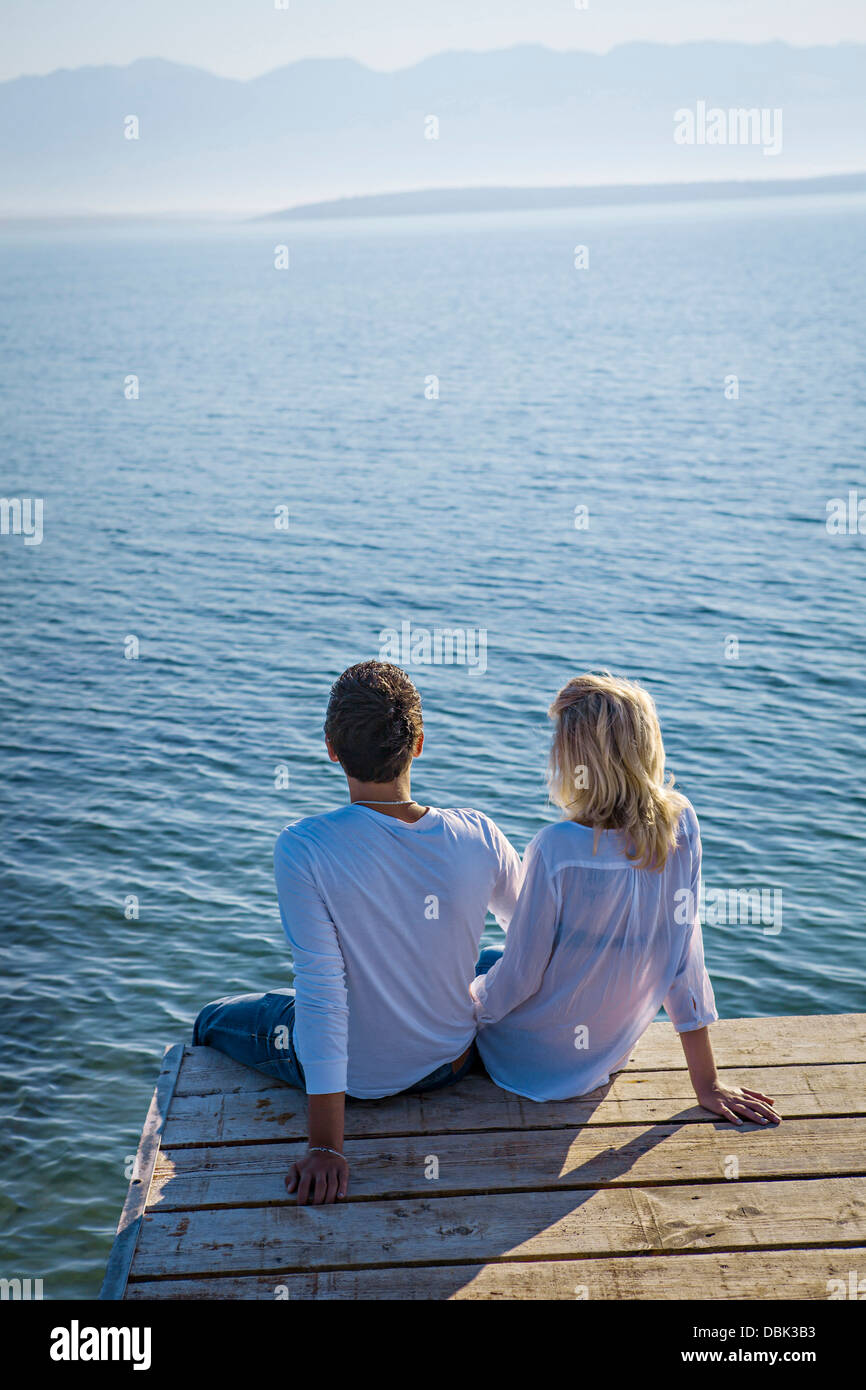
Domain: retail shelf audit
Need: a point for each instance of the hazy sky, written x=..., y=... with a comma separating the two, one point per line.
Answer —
x=241, y=38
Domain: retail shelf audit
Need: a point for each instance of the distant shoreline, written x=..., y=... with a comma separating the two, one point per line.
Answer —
x=452, y=200
x=444, y=201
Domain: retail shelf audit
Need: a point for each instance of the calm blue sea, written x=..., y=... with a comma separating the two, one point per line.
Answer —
x=304, y=389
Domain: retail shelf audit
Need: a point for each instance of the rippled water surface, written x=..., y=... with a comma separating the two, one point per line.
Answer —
x=305, y=388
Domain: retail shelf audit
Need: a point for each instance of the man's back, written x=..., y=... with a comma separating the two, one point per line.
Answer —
x=384, y=918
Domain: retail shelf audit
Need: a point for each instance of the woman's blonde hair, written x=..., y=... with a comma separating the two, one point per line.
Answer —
x=607, y=765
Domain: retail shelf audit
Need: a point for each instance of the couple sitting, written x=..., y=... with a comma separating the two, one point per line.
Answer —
x=384, y=902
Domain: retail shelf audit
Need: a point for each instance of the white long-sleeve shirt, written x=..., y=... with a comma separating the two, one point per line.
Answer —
x=594, y=948
x=385, y=919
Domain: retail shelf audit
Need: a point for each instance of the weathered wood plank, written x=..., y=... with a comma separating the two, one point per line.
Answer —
x=254, y=1174
x=476, y=1104
x=761, y=1274
x=473, y=1229
x=754, y=1042
x=129, y=1227
x=762, y=1042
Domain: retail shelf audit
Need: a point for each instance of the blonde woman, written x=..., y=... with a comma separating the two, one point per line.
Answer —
x=606, y=929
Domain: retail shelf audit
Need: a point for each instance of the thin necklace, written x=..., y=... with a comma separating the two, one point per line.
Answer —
x=366, y=801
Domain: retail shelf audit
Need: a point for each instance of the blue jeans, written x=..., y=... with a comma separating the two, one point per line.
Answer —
x=489, y=956
x=257, y=1029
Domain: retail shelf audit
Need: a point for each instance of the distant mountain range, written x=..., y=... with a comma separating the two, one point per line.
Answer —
x=332, y=128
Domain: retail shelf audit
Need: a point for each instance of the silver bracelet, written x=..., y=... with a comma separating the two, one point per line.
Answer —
x=323, y=1149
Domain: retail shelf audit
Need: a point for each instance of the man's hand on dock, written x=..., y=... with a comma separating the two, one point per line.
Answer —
x=322, y=1175
x=318, y=1177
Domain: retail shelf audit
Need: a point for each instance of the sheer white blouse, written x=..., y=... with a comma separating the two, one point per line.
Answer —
x=593, y=950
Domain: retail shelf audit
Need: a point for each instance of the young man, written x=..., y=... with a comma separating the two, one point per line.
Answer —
x=383, y=902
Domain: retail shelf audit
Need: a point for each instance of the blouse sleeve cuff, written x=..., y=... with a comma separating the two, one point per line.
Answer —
x=695, y=1023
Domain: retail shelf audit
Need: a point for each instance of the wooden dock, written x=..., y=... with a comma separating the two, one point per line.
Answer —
x=632, y=1192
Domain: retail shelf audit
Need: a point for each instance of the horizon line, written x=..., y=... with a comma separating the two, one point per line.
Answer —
x=703, y=189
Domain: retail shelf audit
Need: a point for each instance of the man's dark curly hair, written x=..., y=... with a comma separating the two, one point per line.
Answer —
x=373, y=721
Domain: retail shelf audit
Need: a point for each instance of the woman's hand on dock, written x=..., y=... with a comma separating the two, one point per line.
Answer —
x=731, y=1102
x=318, y=1178
x=736, y=1104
